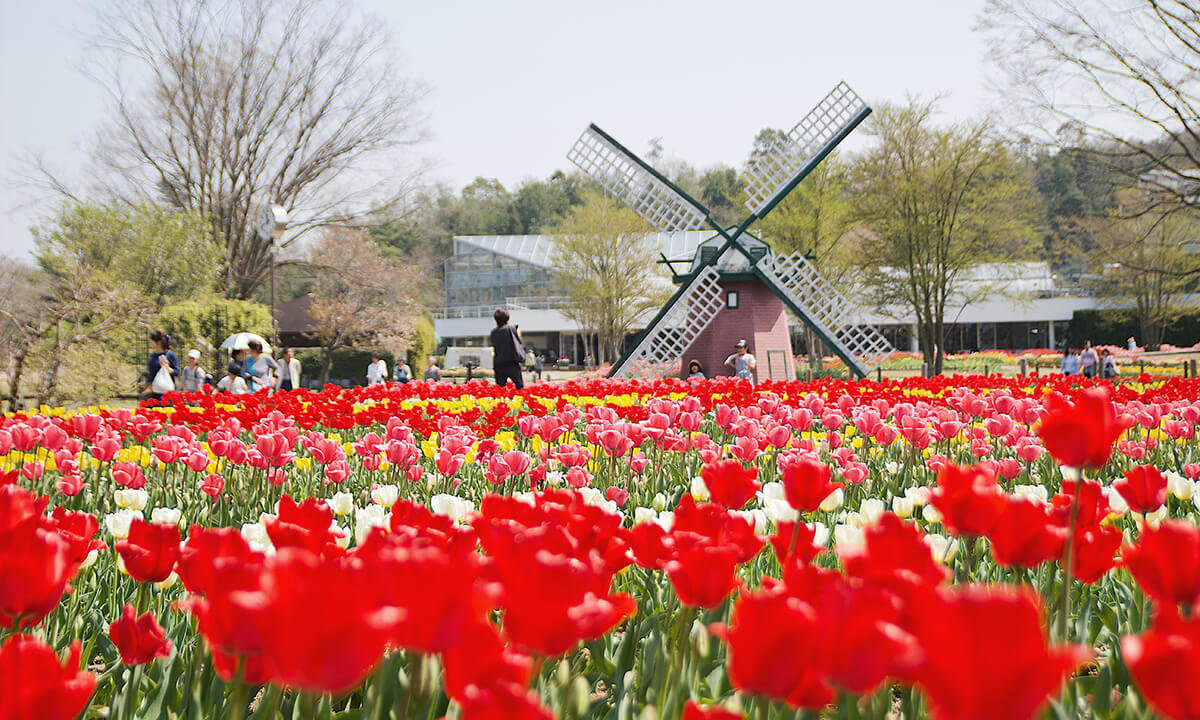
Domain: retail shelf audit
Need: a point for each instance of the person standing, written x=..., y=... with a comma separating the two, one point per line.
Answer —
x=1108, y=365
x=432, y=373
x=192, y=377
x=1070, y=362
x=263, y=368
x=1089, y=361
x=508, y=354
x=742, y=362
x=376, y=371
x=695, y=370
x=161, y=357
x=403, y=372
x=289, y=371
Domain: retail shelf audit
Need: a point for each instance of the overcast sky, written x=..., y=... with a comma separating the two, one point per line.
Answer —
x=513, y=83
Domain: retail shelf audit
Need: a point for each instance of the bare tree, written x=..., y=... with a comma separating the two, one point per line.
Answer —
x=1120, y=79
x=222, y=106
x=360, y=297
x=42, y=317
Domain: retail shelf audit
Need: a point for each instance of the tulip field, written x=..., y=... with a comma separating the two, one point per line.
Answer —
x=951, y=548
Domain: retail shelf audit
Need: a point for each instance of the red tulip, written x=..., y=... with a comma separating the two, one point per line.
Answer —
x=893, y=555
x=772, y=639
x=1144, y=488
x=128, y=474
x=730, y=484
x=79, y=530
x=1094, y=548
x=982, y=643
x=35, y=566
x=968, y=498
x=693, y=711
x=139, y=639
x=217, y=557
x=794, y=540
x=806, y=484
x=306, y=525
x=1080, y=434
x=702, y=574
x=1165, y=662
x=502, y=701
x=150, y=551
x=212, y=485
x=1023, y=536
x=35, y=685
x=1166, y=563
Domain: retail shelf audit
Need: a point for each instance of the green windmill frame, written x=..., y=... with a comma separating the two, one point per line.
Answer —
x=774, y=173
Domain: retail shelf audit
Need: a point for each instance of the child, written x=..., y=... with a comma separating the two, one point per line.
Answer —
x=233, y=382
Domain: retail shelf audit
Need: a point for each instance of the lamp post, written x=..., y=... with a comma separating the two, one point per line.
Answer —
x=272, y=221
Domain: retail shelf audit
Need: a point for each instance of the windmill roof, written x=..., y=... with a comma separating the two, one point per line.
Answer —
x=535, y=249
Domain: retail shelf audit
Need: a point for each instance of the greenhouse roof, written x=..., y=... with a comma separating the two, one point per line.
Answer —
x=535, y=249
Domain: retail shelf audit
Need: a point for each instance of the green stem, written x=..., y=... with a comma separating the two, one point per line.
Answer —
x=1068, y=560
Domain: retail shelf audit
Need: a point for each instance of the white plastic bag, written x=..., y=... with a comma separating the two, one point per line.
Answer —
x=162, y=381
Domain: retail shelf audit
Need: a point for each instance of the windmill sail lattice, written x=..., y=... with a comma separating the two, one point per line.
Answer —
x=831, y=314
x=661, y=347
x=609, y=164
x=773, y=169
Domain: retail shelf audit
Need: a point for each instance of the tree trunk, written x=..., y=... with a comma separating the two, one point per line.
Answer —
x=14, y=384
x=326, y=363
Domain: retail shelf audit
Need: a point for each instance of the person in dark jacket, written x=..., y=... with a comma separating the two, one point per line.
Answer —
x=162, y=356
x=508, y=353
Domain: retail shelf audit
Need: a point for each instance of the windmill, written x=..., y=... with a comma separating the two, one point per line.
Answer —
x=736, y=287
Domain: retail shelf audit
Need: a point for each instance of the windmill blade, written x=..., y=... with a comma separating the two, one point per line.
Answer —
x=660, y=350
x=637, y=184
x=831, y=315
x=773, y=173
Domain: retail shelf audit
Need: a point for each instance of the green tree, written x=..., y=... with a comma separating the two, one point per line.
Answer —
x=204, y=323
x=603, y=258
x=484, y=208
x=720, y=191
x=938, y=201
x=1144, y=262
x=167, y=254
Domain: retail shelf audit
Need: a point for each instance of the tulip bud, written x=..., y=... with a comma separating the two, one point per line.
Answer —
x=699, y=489
x=931, y=515
x=871, y=509
x=847, y=537
x=648, y=713
x=580, y=695
x=902, y=507
x=1178, y=485
x=168, y=582
x=660, y=502
x=820, y=534
x=563, y=673
x=666, y=519
x=942, y=548
x=643, y=515
x=255, y=535
x=699, y=637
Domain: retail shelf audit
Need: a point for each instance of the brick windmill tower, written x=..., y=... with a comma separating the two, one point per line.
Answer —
x=736, y=287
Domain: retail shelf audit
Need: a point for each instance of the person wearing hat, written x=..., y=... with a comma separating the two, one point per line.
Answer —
x=192, y=377
x=742, y=362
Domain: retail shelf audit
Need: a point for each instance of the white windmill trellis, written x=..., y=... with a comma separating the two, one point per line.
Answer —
x=773, y=174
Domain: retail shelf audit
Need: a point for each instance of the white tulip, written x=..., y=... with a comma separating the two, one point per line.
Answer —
x=851, y=517
x=342, y=503
x=771, y=492
x=168, y=581
x=1178, y=485
x=902, y=506
x=90, y=560
x=1115, y=501
x=554, y=478
x=847, y=538
x=699, y=489
x=526, y=497
x=166, y=516
x=666, y=520
x=1036, y=493
x=778, y=510
x=892, y=467
x=833, y=501
x=644, y=515
x=385, y=495
x=340, y=535
x=1196, y=494
x=452, y=506
x=942, y=548
x=871, y=509
x=918, y=496
x=931, y=514
x=118, y=522
x=757, y=518
x=255, y=535
x=131, y=499
x=659, y=503
x=820, y=534
x=366, y=519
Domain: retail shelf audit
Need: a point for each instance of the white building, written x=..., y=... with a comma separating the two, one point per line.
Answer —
x=1005, y=305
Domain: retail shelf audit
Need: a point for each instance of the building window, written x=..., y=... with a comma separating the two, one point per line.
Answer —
x=731, y=299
